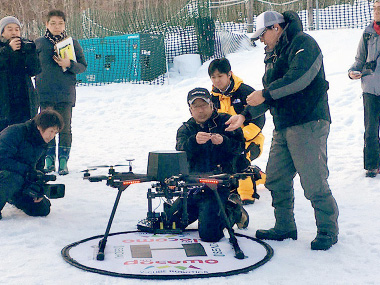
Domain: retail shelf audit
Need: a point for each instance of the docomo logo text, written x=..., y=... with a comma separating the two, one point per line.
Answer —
x=149, y=240
x=149, y=262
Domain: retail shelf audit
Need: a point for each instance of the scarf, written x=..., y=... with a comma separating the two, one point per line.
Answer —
x=376, y=26
x=55, y=39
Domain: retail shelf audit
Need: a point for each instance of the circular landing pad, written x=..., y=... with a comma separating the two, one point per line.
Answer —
x=143, y=255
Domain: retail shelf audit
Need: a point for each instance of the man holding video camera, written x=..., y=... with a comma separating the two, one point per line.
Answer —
x=18, y=63
x=22, y=154
x=210, y=150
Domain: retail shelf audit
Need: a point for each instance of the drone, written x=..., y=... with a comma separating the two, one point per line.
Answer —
x=169, y=173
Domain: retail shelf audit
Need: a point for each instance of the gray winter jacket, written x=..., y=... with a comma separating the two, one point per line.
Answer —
x=52, y=84
x=367, y=53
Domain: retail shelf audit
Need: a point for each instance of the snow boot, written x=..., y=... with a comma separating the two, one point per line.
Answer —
x=63, y=157
x=371, y=173
x=50, y=160
x=323, y=241
x=274, y=234
x=238, y=215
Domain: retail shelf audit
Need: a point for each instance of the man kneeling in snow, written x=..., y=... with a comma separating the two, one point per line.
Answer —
x=22, y=154
x=210, y=148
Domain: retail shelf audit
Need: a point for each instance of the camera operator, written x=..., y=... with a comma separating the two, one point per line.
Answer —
x=18, y=63
x=210, y=148
x=22, y=154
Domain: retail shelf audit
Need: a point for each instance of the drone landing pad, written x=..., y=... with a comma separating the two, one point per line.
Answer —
x=166, y=256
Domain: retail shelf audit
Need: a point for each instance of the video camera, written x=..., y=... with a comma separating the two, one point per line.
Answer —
x=52, y=191
x=41, y=187
x=27, y=45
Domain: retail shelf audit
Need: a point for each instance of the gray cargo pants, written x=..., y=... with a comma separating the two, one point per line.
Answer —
x=301, y=149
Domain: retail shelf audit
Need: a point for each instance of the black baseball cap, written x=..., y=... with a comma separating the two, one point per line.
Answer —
x=198, y=93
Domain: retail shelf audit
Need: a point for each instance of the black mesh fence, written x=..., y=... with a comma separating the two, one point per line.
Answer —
x=126, y=45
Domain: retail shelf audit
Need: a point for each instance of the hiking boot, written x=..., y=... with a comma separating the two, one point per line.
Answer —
x=238, y=215
x=371, y=173
x=323, y=241
x=244, y=220
x=273, y=234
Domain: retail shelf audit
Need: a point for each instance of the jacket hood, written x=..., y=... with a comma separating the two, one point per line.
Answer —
x=293, y=25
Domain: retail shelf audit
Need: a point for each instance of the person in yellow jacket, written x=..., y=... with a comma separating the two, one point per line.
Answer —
x=229, y=96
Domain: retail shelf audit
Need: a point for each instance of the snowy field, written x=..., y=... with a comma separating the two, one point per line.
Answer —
x=122, y=121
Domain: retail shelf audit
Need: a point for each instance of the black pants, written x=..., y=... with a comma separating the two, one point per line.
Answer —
x=65, y=109
x=11, y=186
x=202, y=206
x=371, y=134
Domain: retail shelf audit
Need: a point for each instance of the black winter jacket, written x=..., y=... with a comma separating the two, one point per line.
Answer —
x=22, y=148
x=54, y=85
x=294, y=80
x=206, y=157
x=16, y=87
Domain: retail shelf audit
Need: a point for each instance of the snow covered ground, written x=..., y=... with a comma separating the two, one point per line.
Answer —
x=121, y=121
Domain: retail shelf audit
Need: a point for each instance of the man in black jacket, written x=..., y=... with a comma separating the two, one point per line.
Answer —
x=209, y=149
x=18, y=63
x=22, y=154
x=295, y=90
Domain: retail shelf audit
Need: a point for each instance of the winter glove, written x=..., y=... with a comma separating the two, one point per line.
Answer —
x=34, y=190
x=34, y=176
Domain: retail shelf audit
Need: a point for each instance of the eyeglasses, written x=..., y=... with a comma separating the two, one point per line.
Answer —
x=202, y=107
x=264, y=31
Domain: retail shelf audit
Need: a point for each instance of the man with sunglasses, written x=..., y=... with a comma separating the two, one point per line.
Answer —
x=295, y=91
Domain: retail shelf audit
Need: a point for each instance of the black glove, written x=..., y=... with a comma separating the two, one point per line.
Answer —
x=34, y=175
x=34, y=190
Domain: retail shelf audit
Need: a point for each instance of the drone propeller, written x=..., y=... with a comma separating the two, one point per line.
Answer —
x=108, y=166
x=88, y=169
x=87, y=172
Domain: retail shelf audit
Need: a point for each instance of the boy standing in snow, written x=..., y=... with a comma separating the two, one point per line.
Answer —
x=367, y=68
x=296, y=91
x=22, y=154
x=56, y=85
x=229, y=96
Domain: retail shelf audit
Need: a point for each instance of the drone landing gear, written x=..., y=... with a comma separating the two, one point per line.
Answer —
x=103, y=241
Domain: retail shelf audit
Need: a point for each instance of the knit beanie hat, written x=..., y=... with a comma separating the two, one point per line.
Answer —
x=6, y=21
